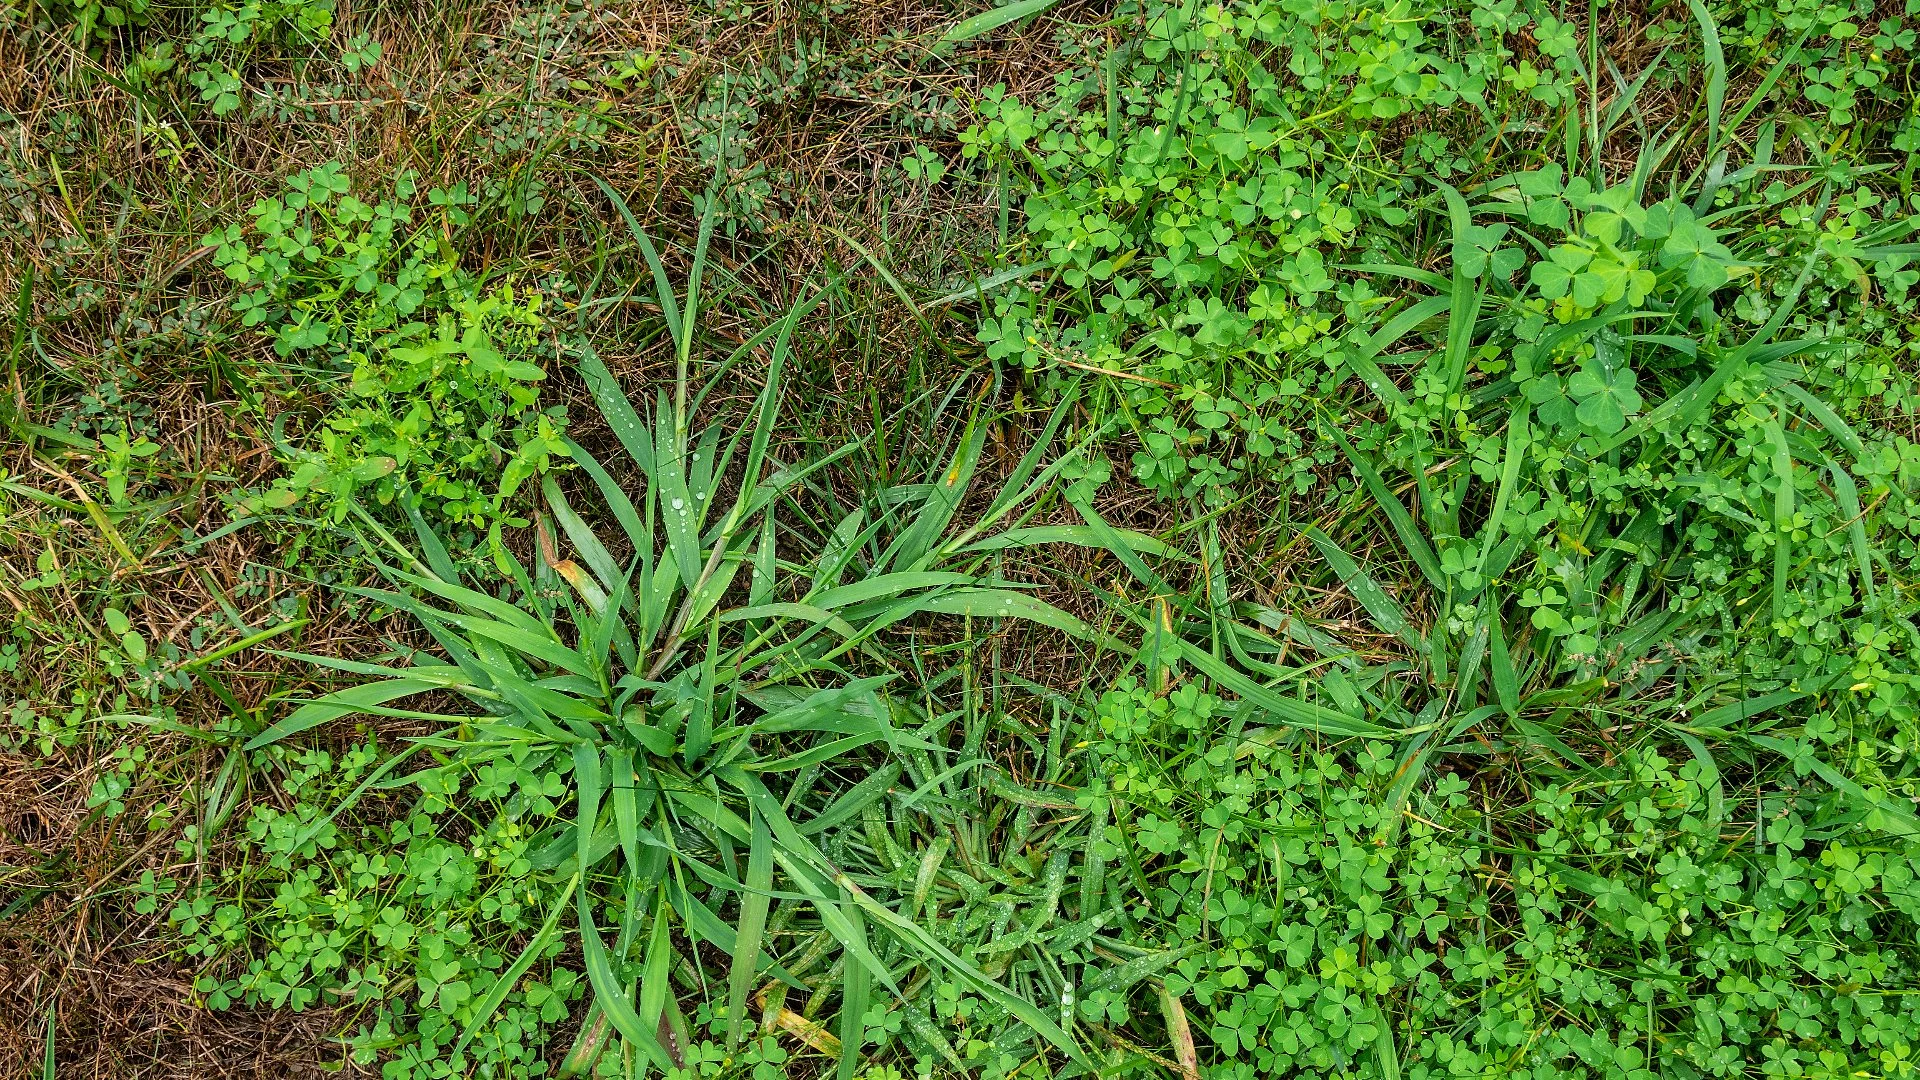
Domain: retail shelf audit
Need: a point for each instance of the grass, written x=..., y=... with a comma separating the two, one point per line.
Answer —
x=589, y=539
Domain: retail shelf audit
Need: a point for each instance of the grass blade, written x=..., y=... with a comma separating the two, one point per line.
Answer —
x=348, y=702
x=855, y=989
x=633, y=432
x=529, y=645
x=1466, y=295
x=1517, y=442
x=504, y=984
x=1716, y=62
x=1385, y=610
x=1848, y=496
x=1180, y=1032
x=1783, y=501
x=942, y=499
x=1077, y=536
x=663, y=285
x=1506, y=681
x=988, y=21
x=754, y=903
x=1410, y=536
x=655, y=996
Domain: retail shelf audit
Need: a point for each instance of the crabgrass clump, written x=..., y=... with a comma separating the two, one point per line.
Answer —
x=642, y=726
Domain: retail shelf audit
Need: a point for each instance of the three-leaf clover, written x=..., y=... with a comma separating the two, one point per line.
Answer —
x=1605, y=395
x=1692, y=245
x=1554, y=36
x=1478, y=250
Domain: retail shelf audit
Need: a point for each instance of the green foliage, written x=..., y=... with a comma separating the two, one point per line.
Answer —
x=1528, y=688
x=227, y=36
x=409, y=921
x=425, y=373
x=1603, y=408
x=1630, y=916
x=97, y=19
x=683, y=710
x=1192, y=198
x=223, y=39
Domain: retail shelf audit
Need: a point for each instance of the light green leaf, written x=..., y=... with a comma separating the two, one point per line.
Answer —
x=989, y=21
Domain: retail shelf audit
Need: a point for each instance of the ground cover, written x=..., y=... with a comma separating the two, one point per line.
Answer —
x=1268, y=538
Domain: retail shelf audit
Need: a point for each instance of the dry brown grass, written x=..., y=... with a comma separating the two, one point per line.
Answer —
x=123, y=1007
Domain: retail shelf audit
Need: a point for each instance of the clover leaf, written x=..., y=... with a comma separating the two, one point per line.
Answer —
x=1605, y=395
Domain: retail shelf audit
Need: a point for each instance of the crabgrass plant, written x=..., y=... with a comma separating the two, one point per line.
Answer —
x=683, y=676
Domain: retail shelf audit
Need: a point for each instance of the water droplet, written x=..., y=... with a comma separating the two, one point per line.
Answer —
x=677, y=504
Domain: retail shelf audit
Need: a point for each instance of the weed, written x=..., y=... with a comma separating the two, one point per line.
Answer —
x=683, y=713
x=436, y=399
